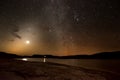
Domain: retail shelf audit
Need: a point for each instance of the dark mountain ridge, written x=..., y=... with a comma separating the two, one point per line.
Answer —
x=8, y=55
x=102, y=55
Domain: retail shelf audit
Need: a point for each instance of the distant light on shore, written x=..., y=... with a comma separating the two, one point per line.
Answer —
x=25, y=59
x=44, y=60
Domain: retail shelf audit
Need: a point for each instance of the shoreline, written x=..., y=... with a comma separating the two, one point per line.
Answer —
x=26, y=70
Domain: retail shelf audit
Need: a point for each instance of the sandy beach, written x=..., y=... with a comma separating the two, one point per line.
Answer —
x=22, y=70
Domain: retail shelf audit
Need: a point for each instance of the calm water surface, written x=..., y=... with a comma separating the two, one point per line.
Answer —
x=112, y=65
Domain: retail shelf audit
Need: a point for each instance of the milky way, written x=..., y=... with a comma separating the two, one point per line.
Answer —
x=59, y=27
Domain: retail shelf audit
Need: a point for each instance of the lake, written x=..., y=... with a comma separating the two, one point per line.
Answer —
x=111, y=65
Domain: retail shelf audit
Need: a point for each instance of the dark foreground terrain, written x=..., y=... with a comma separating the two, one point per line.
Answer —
x=21, y=70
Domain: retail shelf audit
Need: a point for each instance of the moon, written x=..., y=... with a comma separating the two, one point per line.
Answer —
x=27, y=42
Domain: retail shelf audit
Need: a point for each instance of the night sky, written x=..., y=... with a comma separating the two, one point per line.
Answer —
x=59, y=27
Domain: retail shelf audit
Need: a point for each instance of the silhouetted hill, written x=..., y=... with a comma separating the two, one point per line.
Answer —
x=102, y=55
x=8, y=55
x=42, y=56
x=107, y=55
x=60, y=57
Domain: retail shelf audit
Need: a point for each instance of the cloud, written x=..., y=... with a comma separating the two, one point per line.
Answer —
x=15, y=30
x=16, y=35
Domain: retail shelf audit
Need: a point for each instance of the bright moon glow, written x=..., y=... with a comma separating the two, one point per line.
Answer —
x=27, y=42
x=24, y=59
